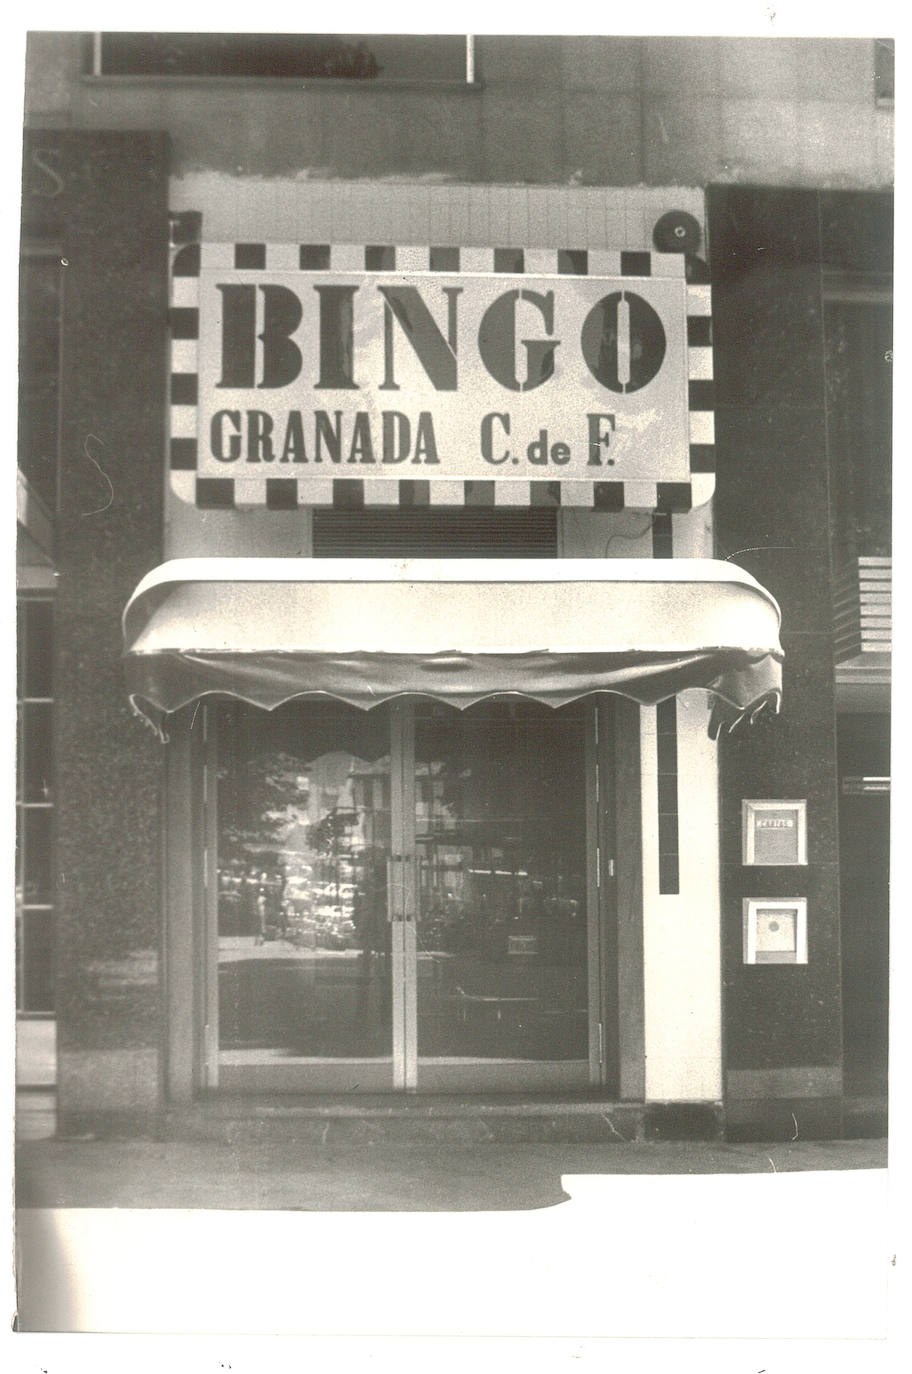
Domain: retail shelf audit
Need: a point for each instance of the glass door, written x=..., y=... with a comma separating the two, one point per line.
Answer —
x=404, y=898
x=304, y=951
x=503, y=929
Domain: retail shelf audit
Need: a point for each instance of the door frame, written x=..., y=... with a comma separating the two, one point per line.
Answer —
x=615, y=1021
x=600, y=865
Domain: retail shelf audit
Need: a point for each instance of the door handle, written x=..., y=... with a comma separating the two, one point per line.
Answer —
x=408, y=914
x=397, y=904
x=393, y=888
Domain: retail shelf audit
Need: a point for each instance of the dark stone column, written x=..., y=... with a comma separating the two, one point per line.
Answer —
x=782, y=1023
x=112, y=211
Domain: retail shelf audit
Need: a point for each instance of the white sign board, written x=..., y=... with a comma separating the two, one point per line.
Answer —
x=391, y=375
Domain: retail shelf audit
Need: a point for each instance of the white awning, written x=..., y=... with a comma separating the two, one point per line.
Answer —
x=366, y=630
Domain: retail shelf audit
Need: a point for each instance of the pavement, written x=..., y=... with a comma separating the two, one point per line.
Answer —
x=279, y=1174
x=281, y=1233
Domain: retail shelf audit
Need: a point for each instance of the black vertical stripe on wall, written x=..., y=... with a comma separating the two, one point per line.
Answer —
x=667, y=790
x=667, y=743
x=662, y=545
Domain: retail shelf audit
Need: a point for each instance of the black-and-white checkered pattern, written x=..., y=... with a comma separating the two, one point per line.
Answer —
x=283, y=493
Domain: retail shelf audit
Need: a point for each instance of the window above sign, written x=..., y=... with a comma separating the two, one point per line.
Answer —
x=385, y=57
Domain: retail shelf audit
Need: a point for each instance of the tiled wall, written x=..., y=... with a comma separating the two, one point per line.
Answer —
x=286, y=210
x=683, y=1061
x=584, y=110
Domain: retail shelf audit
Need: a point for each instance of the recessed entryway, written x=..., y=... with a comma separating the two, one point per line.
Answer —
x=405, y=898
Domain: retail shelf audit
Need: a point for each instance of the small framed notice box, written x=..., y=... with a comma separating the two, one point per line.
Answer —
x=775, y=930
x=774, y=833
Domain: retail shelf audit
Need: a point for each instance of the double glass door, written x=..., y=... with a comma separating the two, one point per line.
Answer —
x=403, y=898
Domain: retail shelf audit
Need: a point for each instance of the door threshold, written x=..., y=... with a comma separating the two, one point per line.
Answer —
x=399, y=1103
x=458, y=1118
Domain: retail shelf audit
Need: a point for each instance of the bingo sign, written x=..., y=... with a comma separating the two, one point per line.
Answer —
x=439, y=377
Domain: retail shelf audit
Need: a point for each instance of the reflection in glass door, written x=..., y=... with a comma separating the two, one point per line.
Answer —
x=404, y=898
x=502, y=931
x=304, y=948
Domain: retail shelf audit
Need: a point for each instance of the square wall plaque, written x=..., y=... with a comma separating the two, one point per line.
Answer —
x=775, y=930
x=774, y=833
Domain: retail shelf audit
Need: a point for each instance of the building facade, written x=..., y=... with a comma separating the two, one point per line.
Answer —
x=318, y=798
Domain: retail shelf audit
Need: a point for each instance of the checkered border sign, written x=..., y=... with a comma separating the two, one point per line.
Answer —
x=288, y=493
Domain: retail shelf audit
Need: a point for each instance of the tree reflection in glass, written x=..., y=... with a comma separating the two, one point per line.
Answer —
x=303, y=839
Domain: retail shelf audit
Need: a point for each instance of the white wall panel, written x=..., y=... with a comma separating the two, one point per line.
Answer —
x=260, y=209
x=681, y=934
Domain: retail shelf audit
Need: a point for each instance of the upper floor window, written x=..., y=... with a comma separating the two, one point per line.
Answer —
x=350, y=57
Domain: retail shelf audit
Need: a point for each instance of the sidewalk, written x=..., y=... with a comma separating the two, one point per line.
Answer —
x=277, y=1175
x=486, y=1238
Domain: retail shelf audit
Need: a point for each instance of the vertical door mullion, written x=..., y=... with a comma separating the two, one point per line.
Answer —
x=402, y=895
x=409, y=894
x=608, y=889
x=593, y=904
x=395, y=896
